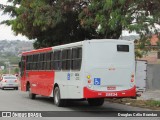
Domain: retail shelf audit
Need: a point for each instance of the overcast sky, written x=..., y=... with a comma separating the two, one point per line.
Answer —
x=7, y=34
x=5, y=31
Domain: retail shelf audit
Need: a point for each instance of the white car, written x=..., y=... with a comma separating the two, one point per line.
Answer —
x=9, y=82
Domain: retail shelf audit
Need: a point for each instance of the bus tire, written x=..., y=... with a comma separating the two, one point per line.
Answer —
x=31, y=95
x=57, y=98
x=95, y=101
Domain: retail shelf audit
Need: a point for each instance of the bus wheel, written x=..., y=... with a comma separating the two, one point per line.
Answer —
x=57, y=98
x=31, y=95
x=96, y=101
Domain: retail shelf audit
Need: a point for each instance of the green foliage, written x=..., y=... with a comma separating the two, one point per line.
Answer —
x=9, y=57
x=13, y=59
x=116, y=15
x=16, y=70
x=153, y=103
x=49, y=22
x=54, y=22
x=138, y=54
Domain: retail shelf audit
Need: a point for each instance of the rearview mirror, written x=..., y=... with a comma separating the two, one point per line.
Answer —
x=19, y=64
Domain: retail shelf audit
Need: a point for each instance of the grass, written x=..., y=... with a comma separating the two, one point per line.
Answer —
x=153, y=103
x=150, y=104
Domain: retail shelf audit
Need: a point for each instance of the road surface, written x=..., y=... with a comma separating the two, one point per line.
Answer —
x=16, y=100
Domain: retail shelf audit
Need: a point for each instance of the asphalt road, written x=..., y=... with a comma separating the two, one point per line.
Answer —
x=15, y=100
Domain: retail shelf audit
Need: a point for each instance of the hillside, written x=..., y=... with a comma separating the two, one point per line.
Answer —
x=15, y=47
x=10, y=50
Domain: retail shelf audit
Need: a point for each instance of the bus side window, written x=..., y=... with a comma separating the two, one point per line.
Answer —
x=27, y=64
x=40, y=61
x=76, y=58
x=48, y=67
x=22, y=65
x=35, y=60
x=57, y=60
x=30, y=62
x=66, y=59
x=52, y=60
x=44, y=61
x=64, y=56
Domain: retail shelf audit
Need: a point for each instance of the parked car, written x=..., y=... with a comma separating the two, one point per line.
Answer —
x=9, y=81
x=5, y=75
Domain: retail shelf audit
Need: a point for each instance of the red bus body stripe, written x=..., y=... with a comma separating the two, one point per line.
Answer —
x=87, y=93
x=37, y=51
x=43, y=82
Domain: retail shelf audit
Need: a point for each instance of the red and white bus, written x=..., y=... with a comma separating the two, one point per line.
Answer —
x=90, y=69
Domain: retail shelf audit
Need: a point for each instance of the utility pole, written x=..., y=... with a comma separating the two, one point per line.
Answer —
x=9, y=68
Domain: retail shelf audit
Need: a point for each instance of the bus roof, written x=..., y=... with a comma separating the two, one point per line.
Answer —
x=75, y=44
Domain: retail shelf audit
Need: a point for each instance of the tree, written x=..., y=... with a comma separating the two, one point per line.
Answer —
x=109, y=17
x=50, y=22
x=54, y=22
x=16, y=70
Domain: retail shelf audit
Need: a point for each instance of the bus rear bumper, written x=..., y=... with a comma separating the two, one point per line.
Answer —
x=87, y=93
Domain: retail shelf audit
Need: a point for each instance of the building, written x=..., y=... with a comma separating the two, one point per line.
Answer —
x=153, y=56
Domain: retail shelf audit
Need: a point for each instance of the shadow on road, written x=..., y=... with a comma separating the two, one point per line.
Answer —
x=78, y=105
x=77, y=108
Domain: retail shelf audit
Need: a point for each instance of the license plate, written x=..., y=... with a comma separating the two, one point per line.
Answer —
x=111, y=88
x=10, y=84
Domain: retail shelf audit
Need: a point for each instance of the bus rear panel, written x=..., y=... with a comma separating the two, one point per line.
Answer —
x=109, y=69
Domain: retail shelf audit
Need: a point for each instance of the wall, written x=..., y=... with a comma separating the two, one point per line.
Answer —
x=153, y=77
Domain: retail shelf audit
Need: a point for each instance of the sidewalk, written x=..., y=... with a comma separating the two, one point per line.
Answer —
x=150, y=95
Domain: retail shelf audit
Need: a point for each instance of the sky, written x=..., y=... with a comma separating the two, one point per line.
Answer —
x=7, y=34
x=5, y=31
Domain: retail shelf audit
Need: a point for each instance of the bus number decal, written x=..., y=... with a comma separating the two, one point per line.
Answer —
x=111, y=94
x=97, y=81
x=68, y=76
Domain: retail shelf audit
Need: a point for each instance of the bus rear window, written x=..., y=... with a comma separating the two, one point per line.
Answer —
x=123, y=48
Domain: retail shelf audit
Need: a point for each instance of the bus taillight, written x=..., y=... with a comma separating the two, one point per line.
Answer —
x=89, y=81
x=132, y=80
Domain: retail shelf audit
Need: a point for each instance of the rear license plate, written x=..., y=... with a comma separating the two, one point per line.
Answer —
x=111, y=88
